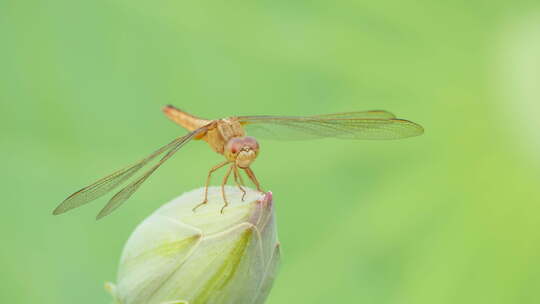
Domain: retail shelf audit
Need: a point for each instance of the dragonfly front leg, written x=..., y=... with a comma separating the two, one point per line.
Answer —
x=225, y=178
x=208, y=183
x=239, y=181
x=253, y=178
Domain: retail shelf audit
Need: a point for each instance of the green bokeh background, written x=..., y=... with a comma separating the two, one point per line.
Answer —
x=448, y=217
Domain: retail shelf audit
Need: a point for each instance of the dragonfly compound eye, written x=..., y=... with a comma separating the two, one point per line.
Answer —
x=251, y=143
x=234, y=146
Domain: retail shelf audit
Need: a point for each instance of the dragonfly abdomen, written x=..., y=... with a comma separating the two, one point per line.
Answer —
x=184, y=119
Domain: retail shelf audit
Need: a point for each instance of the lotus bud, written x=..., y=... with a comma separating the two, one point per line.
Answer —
x=180, y=256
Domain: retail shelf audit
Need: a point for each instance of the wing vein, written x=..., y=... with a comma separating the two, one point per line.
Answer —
x=124, y=194
x=110, y=182
x=351, y=125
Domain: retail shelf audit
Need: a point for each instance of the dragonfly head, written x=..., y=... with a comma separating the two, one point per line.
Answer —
x=242, y=150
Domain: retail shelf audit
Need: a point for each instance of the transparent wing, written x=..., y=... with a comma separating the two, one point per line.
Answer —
x=352, y=125
x=124, y=194
x=110, y=182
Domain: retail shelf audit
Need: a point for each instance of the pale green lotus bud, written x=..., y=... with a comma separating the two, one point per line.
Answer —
x=180, y=256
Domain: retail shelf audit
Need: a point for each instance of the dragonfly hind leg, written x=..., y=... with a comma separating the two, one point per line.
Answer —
x=208, y=183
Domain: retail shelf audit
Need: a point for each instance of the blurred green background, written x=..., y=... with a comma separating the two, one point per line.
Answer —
x=448, y=217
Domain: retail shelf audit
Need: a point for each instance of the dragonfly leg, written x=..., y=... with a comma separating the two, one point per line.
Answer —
x=240, y=177
x=208, y=183
x=253, y=178
x=225, y=178
x=239, y=181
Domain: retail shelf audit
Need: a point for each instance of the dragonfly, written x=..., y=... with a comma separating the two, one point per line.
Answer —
x=228, y=137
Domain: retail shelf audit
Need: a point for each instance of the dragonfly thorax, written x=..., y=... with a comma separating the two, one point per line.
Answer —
x=242, y=150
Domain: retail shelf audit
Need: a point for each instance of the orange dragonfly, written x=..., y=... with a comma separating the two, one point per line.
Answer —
x=228, y=137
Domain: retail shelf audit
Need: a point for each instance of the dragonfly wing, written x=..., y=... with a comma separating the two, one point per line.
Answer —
x=124, y=194
x=110, y=182
x=353, y=125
